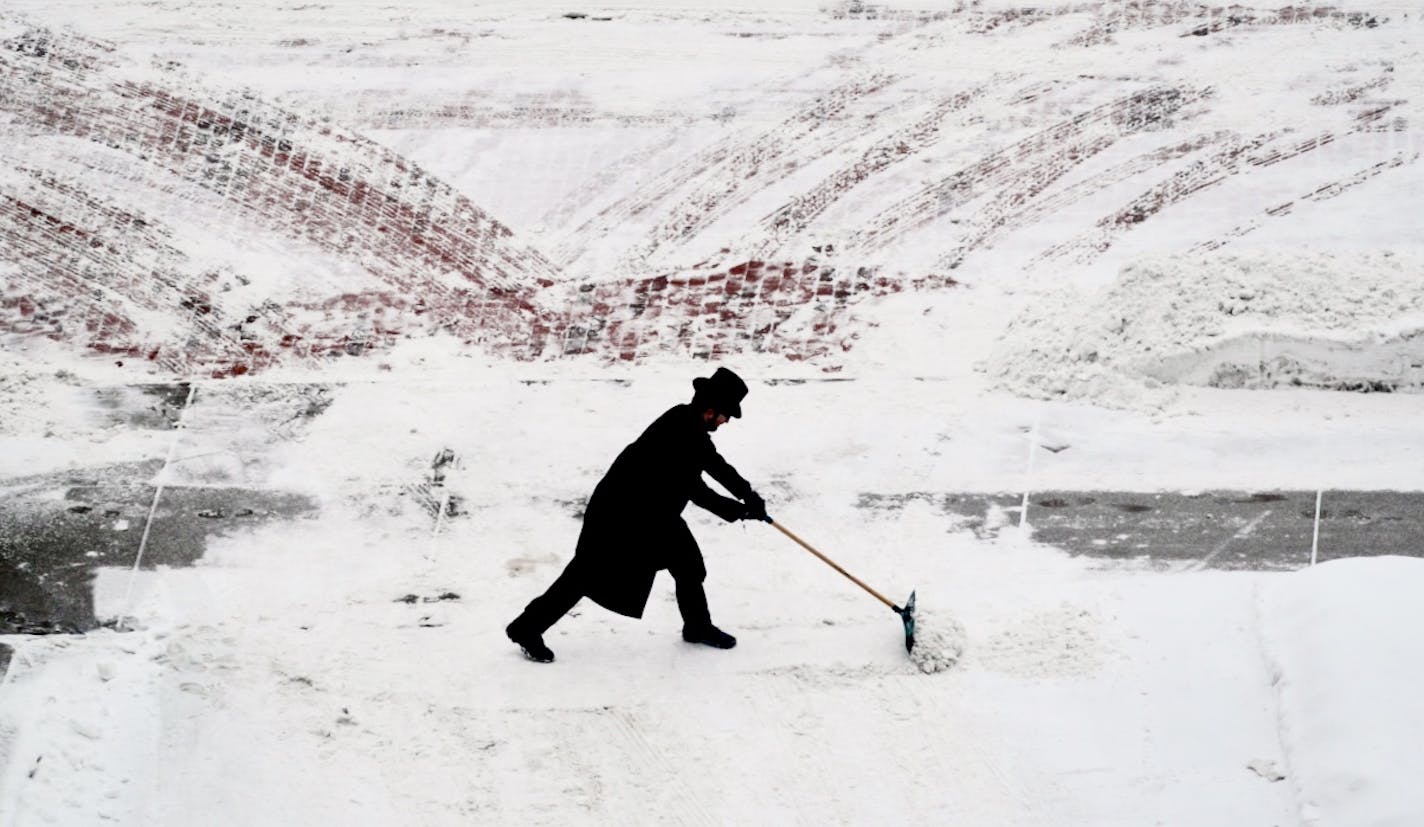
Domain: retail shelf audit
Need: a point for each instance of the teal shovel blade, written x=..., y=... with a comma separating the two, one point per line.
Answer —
x=907, y=615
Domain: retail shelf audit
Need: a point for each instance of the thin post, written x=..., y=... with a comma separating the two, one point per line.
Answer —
x=153, y=506
x=1315, y=539
x=1028, y=473
x=439, y=522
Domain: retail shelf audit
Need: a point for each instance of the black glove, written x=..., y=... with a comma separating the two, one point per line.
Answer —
x=754, y=508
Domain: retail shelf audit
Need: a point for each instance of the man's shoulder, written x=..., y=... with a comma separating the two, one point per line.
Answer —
x=681, y=414
x=681, y=420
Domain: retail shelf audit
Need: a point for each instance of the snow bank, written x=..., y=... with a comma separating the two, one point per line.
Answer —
x=1271, y=318
x=1344, y=642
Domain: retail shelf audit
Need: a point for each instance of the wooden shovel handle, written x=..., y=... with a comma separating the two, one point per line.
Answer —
x=828, y=561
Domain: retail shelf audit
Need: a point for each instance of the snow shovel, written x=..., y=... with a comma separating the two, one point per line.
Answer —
x=907, y=614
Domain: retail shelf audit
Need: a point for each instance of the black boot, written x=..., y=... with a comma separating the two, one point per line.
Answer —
x=532, y=643
x=708, y=635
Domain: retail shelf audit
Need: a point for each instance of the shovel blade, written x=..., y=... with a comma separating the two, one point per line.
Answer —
x=907, y=615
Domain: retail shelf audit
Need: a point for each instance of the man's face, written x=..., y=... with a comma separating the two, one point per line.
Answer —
x=713, y=419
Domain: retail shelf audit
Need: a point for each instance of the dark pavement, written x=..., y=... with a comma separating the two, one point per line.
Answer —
x=56, y=530
x=1242, y=530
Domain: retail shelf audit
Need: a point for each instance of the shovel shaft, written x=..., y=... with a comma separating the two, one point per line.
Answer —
x=828, y=561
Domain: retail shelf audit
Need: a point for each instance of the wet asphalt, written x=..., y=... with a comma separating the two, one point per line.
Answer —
x=56, y=531
x=1227, y=530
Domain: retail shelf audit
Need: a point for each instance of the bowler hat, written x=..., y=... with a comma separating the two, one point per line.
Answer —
x=723, y=390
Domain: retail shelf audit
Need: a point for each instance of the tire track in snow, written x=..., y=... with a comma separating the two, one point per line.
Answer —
x=1008, y=211
x=92, y=274
x=111, y=281
x=1369, y=119
x=303, y=178
x=741, y=165
x=563, y=213
x=1049, y=152
x=1321, y=193
x=653, y=764
x=901, y=145
x=1107, y=19
x=801, y=310
x=771, y=157
x=42, y=298
x=117, y=241
x=332, y=189
x=1218, y=19
x=312, y=182
x=722, y=175
x=1242, y=155
x=1200, y=175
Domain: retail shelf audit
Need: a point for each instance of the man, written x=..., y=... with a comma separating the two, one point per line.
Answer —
x=633, y=526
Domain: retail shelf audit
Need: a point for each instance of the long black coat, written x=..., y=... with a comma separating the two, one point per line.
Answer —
x=633, y=525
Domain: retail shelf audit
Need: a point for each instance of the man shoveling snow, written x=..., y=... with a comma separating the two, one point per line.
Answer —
x=633, y=527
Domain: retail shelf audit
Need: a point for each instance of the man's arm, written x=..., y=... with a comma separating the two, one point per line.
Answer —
x=722, y=471
x=752, y=506
x=724, y=507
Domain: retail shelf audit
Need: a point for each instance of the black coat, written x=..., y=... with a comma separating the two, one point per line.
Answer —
x=633, y=525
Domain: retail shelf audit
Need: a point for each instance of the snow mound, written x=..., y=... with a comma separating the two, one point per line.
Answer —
x=1273, y=318
x=1343, y=644
x=939, y=642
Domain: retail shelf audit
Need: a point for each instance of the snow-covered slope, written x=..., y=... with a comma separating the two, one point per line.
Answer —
x=648, y=180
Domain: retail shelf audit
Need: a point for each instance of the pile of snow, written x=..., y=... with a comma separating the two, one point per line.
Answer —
x=1345, y=645
x=1271, y=318
x=939, y=642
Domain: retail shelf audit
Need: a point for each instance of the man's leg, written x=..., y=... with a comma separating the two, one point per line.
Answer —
x=544, y=611
x=692, y=602
x=687, y=575
x=556, y=601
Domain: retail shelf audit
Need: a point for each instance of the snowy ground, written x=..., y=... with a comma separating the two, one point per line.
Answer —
x=1087, y=694
x=1167, y=236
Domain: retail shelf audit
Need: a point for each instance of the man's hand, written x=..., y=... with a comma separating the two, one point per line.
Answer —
x=755, y=507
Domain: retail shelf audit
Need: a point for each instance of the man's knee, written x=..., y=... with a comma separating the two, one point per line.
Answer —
x=690, y=570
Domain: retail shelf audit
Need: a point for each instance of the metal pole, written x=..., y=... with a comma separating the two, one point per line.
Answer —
x=127, y=610
x=1028, y=473
x=1315, y=540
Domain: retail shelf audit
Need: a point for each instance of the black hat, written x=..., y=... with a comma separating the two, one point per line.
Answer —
x=723, y=390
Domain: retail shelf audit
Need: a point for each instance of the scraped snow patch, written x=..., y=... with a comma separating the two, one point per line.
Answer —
x=1271, y=318
x=939, y=642
x=1343, y=640
x=1062, y=641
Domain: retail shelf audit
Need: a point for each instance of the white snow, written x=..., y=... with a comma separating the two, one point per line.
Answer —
x=1271, y=318
x=1338, y=635
x=1080, y=694
x=283, y=680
